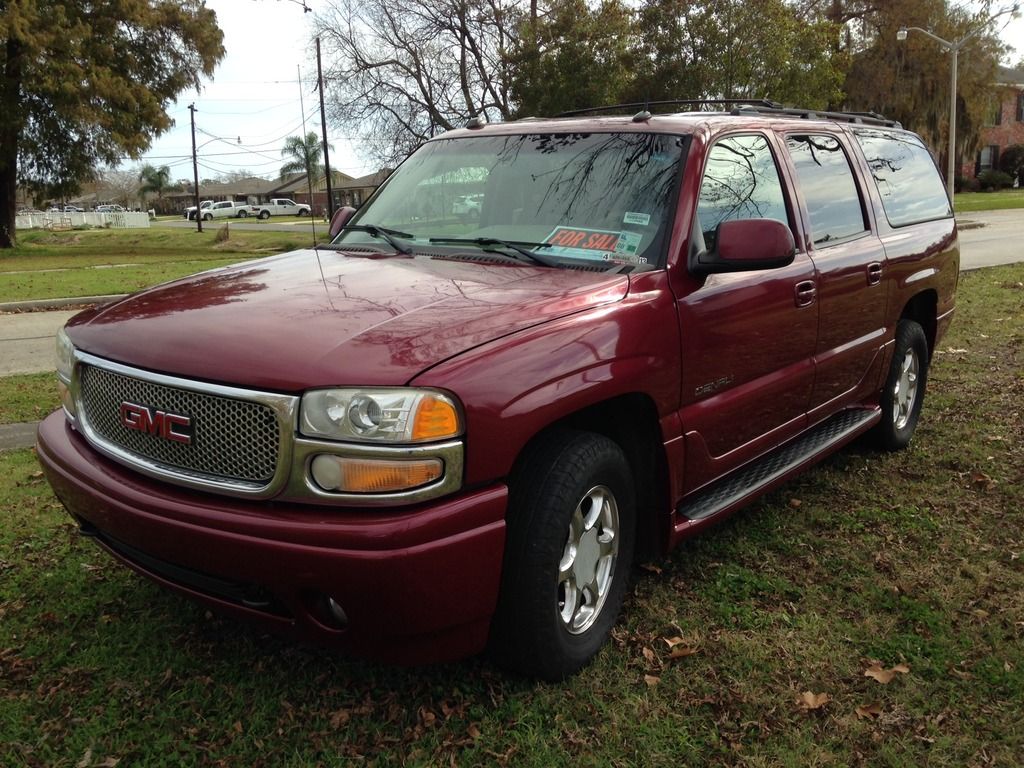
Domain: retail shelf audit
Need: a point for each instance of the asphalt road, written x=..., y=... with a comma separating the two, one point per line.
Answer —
x=999, y=241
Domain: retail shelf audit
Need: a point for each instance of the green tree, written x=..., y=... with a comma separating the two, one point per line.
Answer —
x=576, y=55
x=909, y=80
x=304, y=155
x=84, y=84
x=743, y=49
x=155, y=181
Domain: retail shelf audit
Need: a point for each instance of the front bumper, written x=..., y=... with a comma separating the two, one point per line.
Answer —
x=416, y=585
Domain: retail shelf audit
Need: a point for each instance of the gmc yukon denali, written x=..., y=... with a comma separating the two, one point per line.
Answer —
x=443, y=433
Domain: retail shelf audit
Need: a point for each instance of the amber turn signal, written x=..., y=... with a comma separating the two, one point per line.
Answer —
x=435, y=418
x=342, y=474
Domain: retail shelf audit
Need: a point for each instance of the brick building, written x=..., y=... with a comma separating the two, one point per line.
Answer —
x=1006, y=126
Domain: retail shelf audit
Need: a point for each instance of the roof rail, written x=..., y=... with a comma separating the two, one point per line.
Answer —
x=863, y=118
x=646, y=105
x=741, y=107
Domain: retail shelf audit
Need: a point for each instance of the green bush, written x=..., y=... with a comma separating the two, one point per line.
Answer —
x=1012, y=162
x=964, y=184
x=992, y=180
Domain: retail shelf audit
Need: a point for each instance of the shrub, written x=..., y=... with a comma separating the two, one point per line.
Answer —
x=991, y=180
x=222, y=235
x=1012, y=162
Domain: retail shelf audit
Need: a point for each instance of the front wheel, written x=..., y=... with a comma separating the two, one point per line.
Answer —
x=207, y=217
x=303, y=212
x=568, y=552
x=903, y=395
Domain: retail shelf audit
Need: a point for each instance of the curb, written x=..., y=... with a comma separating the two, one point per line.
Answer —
x=44, y=304
x=14, y=437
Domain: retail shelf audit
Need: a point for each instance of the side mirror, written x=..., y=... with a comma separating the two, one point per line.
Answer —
x=744, y=245
x=340, y=219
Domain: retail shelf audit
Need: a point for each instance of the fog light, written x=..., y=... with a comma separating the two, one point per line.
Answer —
x=352, y=475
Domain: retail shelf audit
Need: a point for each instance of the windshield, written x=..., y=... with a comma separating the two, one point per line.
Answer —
x=567, y=197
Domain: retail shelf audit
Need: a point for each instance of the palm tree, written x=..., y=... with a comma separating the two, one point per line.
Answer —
x=155, y=180
x=303, y=156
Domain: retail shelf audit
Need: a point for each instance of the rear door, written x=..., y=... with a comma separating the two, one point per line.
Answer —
x=849, y=261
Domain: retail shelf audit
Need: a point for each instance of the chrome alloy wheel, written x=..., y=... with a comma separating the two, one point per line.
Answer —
x=588, y=562
x=905, y=393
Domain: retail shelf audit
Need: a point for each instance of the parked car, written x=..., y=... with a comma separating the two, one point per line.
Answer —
x=190, y=212
x=419, y=442
x=467, y=205
x=228, y=209
x=73, y=209
x=109, y=209
x=281, y=207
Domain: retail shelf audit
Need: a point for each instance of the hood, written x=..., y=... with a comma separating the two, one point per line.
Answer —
x=296, y=321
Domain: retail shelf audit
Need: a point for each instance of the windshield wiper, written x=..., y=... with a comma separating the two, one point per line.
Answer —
x=513, y=245
x=382, y=232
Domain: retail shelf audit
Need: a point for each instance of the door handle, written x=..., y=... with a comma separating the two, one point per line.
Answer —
x=805, y=293
x=874, y=273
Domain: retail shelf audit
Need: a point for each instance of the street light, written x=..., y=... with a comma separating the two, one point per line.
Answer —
x=954, y=49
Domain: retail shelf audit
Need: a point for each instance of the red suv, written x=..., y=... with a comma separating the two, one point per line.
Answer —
x=449, y=431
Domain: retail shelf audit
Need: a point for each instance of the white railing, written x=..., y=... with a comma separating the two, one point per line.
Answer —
x=69, y=220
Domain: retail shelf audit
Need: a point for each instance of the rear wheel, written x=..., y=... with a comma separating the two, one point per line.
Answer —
x=568, y=552
x=243, y=214
x=264, y=215
x=903, y=395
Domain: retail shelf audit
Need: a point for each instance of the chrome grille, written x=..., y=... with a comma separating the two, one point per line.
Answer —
x=233, y=439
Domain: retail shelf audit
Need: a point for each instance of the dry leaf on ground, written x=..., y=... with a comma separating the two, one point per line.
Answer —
x=885, y=676
x=809, y=700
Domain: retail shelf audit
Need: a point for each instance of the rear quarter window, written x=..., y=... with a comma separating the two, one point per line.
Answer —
x=906, y=177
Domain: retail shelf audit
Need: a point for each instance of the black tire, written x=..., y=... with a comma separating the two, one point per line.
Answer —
x=544, y=626
x=243, y=214
x=303, y=212
x=207, y=217
x=264, y=215
x=904, y=390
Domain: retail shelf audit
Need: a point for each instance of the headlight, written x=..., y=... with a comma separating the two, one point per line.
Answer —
x=65, y=364
x=65, y=356
x=379, y=415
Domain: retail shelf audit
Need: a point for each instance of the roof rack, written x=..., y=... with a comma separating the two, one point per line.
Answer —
x=742, y=107
x=646, y=105
x=863, y=118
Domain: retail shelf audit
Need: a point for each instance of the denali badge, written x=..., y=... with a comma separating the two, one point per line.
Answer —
x=169, y=426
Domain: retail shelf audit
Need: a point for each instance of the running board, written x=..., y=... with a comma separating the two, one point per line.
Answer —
x=755, y=478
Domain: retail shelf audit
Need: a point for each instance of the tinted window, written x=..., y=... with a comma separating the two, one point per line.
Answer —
x=906, y=177
x=830, y=191
x=741, y=181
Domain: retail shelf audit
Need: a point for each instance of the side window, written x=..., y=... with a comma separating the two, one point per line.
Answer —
x=906, y=177
x=741, y=181
x=829, y=189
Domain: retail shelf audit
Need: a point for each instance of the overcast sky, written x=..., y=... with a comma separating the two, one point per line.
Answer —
x=254, y=95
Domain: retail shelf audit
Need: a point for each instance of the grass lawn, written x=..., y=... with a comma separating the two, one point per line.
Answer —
x=27, y=397
x=964, y=202
x=93, y=262
x=909, y=566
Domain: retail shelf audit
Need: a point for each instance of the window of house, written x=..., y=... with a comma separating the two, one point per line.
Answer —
x=1020, y=107
x=988, y=158
x=828, y=187
x=996, y=118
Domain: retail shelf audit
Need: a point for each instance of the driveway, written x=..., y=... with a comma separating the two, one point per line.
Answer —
x=997, y=242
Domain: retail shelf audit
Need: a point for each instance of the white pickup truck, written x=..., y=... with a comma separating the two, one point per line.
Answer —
x=280, y=206
x=221, y=210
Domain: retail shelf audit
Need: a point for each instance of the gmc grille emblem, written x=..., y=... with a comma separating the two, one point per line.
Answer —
x=169, y=426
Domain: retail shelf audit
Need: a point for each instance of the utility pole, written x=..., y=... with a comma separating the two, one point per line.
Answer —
x=323, y=129
x=195, y=168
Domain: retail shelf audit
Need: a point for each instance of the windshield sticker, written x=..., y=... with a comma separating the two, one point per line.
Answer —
x=641, y=219
x=576, y=242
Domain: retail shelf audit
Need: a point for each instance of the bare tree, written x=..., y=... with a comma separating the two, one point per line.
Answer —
x=405, y=70
x=120, y=186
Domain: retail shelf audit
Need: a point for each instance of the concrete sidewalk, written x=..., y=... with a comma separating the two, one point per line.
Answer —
x=26, y=341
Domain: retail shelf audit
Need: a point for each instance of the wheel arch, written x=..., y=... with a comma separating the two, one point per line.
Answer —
x=922, y=308
x=631, y=421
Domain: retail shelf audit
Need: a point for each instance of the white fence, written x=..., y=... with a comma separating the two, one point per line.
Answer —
x=69, y=220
